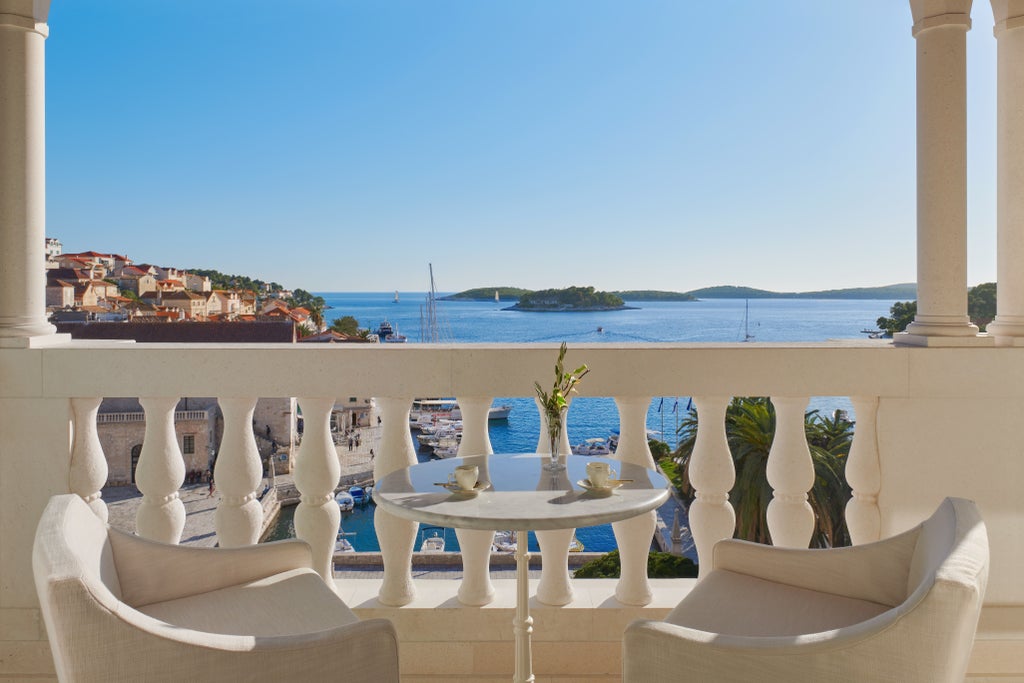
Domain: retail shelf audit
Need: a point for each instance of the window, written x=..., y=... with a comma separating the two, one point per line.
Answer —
x=188, y=444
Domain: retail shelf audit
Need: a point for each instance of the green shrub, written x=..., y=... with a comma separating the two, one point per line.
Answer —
x=659, y=566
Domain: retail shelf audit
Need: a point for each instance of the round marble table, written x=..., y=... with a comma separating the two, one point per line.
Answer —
x=521, y=496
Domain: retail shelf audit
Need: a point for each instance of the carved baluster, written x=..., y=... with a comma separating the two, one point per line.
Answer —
x=555, y=585
x=633, y=536
x=476, y=588
x=88, y=464
x=238, y=473
x=317, y=518
x=791, y=475
x=397, y=536
x=863, y=473
x=160, y=473
x=712, y=475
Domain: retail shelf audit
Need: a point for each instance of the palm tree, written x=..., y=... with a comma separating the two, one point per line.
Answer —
x=750, y=428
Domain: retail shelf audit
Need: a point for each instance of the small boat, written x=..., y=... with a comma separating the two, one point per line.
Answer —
x=345, y=501
x=426, y=410
x=396, y=297
x=342, y=544
x=504, y=542
x=387, y=334
x=497, y=299
x=359, y=495
x=596, y=446
x=575, y=545
x=433, y=543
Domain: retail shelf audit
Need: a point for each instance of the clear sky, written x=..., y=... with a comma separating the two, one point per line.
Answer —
x=341, y=145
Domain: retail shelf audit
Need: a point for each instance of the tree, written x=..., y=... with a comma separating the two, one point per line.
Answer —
x=901, y=314
x=348, y=325
x=750, y=428
x=981, y=304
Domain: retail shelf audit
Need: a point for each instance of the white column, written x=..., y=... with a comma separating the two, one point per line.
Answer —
x=476, y=587
x=161, y=472
x=940, y=30
x=238, y=473
x=633, y=536
x=555, y=585
x=863, y=472
x=317, y=470
x=88, y=464
x=791, y=475
x=397, y=536
x=1008, y=326
x=712, y=474
x=23, y=176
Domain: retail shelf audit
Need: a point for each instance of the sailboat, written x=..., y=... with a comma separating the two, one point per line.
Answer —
x=433, y=328
x=746, y=321
x=497, y=299
x=396, y=297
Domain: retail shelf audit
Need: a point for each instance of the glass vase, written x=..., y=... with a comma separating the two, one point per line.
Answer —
x=554, y=462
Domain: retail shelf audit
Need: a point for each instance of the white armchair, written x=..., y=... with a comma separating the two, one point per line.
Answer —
x=121, y=608
x=904, y=609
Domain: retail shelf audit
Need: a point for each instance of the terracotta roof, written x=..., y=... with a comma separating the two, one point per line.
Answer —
x=332, y=337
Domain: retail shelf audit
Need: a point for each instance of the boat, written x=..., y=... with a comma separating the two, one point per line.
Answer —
x=504, y=542
x=345, y=501
x=433, y=543
x=396, y=297
x=595, y=446
x=497, y=299
x=431, y=410
x=575, y=545
x=747, y=337
x=342, y=544
x=433, y=327
x=360, y=496
x=387, y=334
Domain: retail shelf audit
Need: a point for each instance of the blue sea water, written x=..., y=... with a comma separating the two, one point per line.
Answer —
x=712, y=320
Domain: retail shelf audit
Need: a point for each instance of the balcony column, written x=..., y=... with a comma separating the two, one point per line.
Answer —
x=476, y=587
x=317, y=471
x=712, y=474
x=88, y=464
x=940, y=30
x=633, y=536
x=22, y=173
x=397, y=536
x=160, y=474
x=863, y=472
x=555, y=585
x=791, y=475
x=1008, y=326
x=238, y=473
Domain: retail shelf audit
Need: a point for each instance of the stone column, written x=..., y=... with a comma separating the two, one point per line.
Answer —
x=940, y=29
x=1008, y=327
x=22, y=173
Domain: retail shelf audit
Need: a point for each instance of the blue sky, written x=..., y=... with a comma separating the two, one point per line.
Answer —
x=659, y=144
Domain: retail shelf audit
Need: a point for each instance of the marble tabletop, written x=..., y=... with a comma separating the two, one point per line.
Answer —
x=522, y=495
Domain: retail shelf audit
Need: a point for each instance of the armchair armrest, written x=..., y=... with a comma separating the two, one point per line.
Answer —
x=876, y=572
x=150, y=572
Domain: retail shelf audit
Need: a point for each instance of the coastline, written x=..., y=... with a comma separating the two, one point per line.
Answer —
x=569, y=309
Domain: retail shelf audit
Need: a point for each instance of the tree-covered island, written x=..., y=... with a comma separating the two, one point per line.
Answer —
x=569, y=299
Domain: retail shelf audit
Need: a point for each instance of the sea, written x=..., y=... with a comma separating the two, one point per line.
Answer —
x=709, y=320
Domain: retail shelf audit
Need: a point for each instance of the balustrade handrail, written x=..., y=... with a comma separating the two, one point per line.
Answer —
x=140, y=416
x=846, y=368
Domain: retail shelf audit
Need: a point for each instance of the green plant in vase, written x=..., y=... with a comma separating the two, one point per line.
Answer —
x=555, y=402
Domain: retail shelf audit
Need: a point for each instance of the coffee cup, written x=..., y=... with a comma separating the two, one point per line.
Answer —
x=466, y=476
x=599, y=474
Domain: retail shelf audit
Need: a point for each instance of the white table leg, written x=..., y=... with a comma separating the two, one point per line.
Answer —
x=523, y=623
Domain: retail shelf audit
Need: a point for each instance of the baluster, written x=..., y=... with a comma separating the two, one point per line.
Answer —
x=317, y=518
x=555, y=585
x=476, y=587
x=791, y=475
x=712, y=475
x=88, y=464
x=397, y=536
x=238, y=473
x=863, y=472
x=633, y=536
x=160, y=473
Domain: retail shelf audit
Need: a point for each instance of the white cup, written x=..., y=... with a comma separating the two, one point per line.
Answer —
x=466, y=476
x=599, y=473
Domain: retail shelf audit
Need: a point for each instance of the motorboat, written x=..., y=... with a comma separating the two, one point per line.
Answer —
x=360, y=496
x=433, y=543
x=387, y=334
x=345, y=501
x=504, y=542
x=429, y=410
x=596, y=446
x=342, y=544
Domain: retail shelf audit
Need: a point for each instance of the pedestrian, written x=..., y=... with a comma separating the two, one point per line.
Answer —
x=350, y=441
x=358, y=439
x=268, y=431
x=371, y=454
x=273, y=445
x=213, y=487
x=378, y=420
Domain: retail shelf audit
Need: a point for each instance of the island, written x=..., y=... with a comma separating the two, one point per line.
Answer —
x=569, y=299
x=487, y=294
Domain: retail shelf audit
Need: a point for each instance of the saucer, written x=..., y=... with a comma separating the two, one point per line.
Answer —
x=458, y=490
x=600, y=490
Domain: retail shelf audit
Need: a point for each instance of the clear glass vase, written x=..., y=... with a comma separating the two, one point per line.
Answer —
x=554, y=463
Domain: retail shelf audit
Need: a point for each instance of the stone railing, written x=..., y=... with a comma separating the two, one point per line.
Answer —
x=918, y=387
x=179, y=416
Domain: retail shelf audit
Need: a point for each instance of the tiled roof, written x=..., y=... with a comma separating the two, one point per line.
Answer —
x=213, y=332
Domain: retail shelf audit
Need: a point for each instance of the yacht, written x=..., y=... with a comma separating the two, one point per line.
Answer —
x=595, y=446
x=433, y=543
x=387, y=334
x=345, y=501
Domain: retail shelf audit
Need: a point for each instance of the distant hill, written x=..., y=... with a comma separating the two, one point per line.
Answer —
x=654, y=295
x=487, y=294
x=904, y=292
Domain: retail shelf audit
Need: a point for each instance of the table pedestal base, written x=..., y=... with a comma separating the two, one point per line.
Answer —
x=523, y=623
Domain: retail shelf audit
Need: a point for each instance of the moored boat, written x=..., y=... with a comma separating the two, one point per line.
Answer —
x=433, y=543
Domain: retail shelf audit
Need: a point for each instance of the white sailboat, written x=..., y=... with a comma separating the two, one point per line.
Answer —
x=433, y=327
x=396, y=297
x=746, y=321
x=497, y=299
